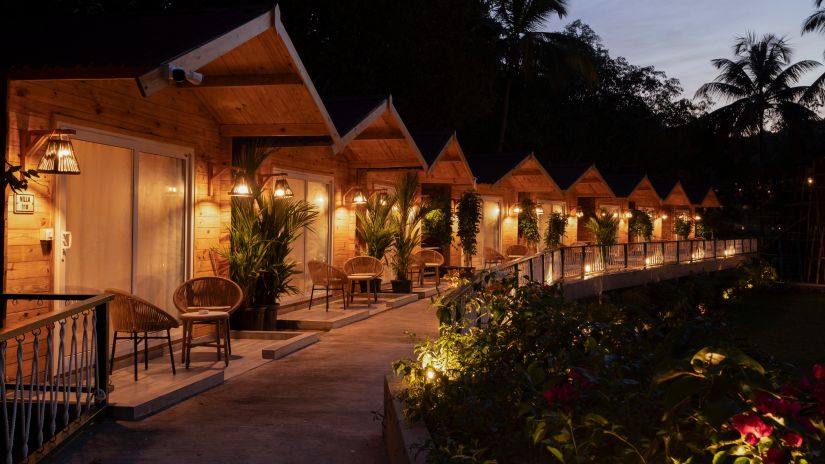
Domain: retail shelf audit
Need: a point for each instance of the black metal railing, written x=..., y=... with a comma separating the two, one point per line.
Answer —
x=54, y=370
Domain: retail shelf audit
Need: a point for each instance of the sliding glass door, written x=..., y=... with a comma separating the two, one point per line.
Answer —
x=124, y=221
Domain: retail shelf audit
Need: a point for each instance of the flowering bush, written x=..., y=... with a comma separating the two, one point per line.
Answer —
x=646, y=375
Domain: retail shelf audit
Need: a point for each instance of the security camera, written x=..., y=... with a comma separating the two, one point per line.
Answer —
x=180, y=75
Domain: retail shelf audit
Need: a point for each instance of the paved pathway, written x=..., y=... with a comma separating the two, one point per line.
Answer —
x=315, y=406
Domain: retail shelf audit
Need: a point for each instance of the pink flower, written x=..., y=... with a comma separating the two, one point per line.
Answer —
x=559, y=394
x=793, y=439
x=818, y=371
x=751, y=427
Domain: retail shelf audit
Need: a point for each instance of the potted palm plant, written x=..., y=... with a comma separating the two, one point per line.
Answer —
x=374, y=227
x=605, y=227
x=528, y=222
x=682, y=225
x=262, y=233
x=406, y=225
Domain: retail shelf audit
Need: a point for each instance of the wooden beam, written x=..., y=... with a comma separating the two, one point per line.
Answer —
x=277, y=142
x=380, y=134
x=250, y=80
x=274, y=130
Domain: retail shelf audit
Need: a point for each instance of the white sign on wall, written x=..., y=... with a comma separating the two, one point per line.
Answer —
x=23, y=203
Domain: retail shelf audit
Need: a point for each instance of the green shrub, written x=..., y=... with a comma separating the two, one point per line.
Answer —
x=556, y=224
x=528, y=222
x=640, y=225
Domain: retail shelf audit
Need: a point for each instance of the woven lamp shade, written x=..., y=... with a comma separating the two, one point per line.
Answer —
x=59, y=158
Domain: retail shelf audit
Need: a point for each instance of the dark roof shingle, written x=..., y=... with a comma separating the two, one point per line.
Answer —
x=348, y=112
x=490, y=167
x=430, y=144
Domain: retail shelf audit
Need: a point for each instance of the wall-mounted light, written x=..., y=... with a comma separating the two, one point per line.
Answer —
x=697, y=218
x=664, y=217
x=359, y=198
x=579, y=213
x=58, y=157
x=809, y=180
x=539, y=210
x=517, y=210
x=628, y=214
x=281, y=188
x=615, y=215
x=240, y=186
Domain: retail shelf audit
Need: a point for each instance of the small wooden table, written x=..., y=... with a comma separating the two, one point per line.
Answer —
x=369, y=279
x=217, y=315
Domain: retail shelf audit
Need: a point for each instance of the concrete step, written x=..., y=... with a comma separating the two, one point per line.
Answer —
x=319, y=319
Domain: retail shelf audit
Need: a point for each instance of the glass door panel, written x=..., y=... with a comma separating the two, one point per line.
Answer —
x=98, y=217
x=161, y=228
x=316, y=238
x=297, y=254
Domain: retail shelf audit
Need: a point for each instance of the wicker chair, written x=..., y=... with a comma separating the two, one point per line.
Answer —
x=517, y=251
x=363, y=268
x=134, y=316
x=492, y=257
x=428, y=259
x=328, y=278
x=207, y=292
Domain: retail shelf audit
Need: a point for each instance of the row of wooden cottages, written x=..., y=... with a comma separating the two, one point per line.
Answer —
x=154, y=107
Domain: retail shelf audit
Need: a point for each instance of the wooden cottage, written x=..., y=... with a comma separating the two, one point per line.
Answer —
x=675, y=203
x=448, y=175
x=153, y=119
x=635, y=192
x=586, y=193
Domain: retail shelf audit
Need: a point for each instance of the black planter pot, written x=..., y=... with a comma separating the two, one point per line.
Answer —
x=259, y=318
x=401, y=286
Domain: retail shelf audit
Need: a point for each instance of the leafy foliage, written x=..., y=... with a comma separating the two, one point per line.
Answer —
x=556, y=224
x=374, y=225
x=682, y=225
x=528, y=222
x=16, y=178
x=604, y=227
x=406, y=224
x=469, y=218
x=438, y=222
x=640, y=225
x=650, y=374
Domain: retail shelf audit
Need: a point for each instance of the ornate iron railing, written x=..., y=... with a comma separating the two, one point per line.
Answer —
x=588, y=261
x=54, y=370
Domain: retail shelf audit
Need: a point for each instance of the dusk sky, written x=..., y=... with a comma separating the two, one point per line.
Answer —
x=681, y=37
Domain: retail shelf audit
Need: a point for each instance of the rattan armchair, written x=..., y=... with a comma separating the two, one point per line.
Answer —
x=328, y=278
x=428, y=259
x=133, y=315
x=363, y=269
x=517, y=251
x=492, y=257
x=218, y=293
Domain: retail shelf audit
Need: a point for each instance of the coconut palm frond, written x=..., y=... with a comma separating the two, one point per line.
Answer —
x=604, y=227
x=816, y=21
x=375, y=224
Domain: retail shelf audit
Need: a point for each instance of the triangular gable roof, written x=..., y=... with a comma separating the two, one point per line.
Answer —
x=568, y=176
x=252, y=80
x=437, y=150
x=623, y=185
x=711, y=200
x=533, y=187
x=369, y=130
x=677, y=196
x=490, y=167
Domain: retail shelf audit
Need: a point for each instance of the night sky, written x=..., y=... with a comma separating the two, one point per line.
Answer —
x=681, y=37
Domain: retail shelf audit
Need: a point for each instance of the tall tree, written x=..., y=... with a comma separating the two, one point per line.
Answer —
x=528, y=51
x=760, y=84
x=815, y=23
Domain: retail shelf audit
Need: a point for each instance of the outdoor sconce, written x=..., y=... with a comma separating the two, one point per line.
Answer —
x=539, y=210
x=240, y=186
x=664, y=217
x=810, y=180
x=697, y=218
x=579, y=214
x=517, y=210
x=614, y=215
x=359, y=198
x=628, y=214
x=58, y=157
x=282, y=189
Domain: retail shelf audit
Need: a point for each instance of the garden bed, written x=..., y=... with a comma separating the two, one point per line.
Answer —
x=662, y=373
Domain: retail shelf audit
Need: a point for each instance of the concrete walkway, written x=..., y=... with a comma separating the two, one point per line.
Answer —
x=315, y=406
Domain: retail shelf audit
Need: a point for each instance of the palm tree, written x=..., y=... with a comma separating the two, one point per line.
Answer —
x=815, y=23
x=760, y=85
x=526, y=49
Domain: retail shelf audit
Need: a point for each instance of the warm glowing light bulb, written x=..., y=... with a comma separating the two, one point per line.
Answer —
x=319, y=200
x=810, y=181
x=647, y=261
x=615, y=215
x=539, y=210
x=279, y=192
x=587, y=268
x=517, y=210
x=628, y=214
x=697, y=218
x=664, y=216
x=430, y=374
x=496, y=211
